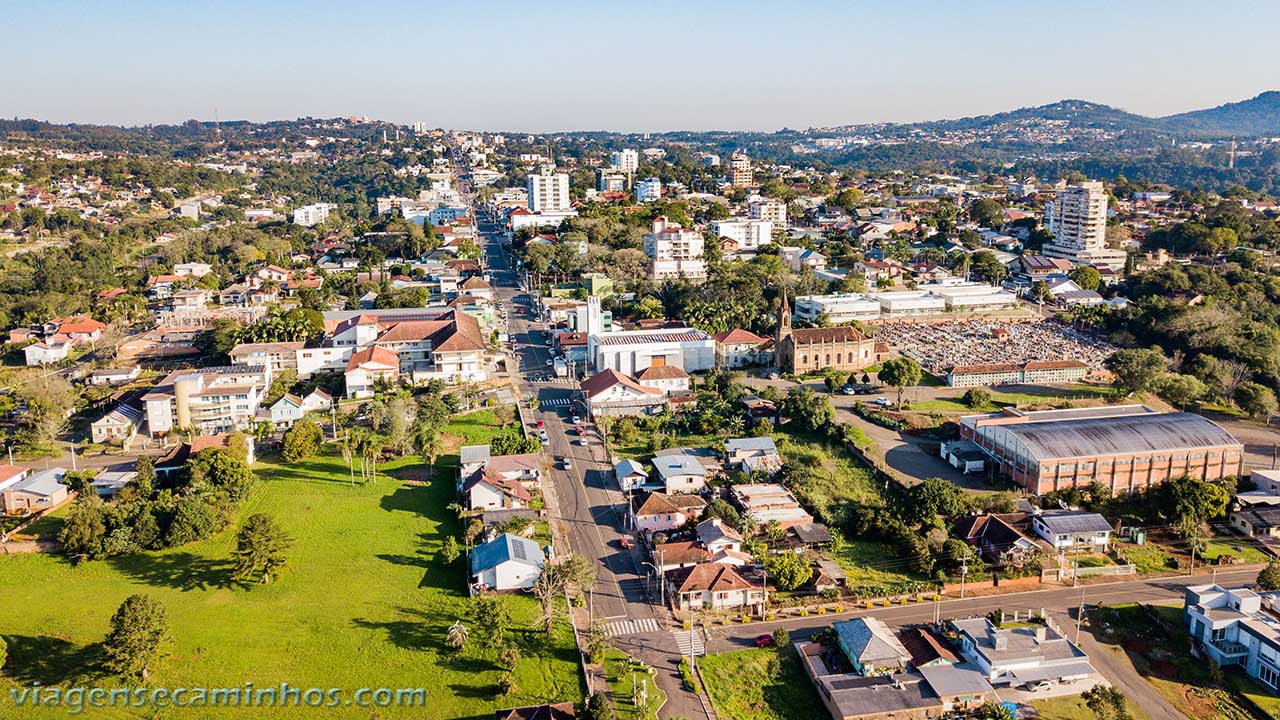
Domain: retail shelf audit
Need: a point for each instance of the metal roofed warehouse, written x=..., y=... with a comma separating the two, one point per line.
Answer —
x=1124, y=447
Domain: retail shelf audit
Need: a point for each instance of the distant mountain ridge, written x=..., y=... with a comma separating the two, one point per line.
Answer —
x=1257, y=116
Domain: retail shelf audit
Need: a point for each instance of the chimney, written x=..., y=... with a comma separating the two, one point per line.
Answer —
x=1042, y=633
x=999, y=640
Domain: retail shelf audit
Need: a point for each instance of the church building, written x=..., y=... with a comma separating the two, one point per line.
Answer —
x=809, y=350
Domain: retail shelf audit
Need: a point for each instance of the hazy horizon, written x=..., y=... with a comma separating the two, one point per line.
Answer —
x=565, y=66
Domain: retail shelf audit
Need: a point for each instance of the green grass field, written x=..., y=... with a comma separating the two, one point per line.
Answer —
x=765, y=684
x=871, y=563
x=365, y=603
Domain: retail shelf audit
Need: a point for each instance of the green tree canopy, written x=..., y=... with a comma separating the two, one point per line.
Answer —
x=139, y=636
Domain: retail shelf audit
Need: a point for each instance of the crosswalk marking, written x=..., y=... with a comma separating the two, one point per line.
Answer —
x=555, y=402
x=632, y=627
x=690, y=642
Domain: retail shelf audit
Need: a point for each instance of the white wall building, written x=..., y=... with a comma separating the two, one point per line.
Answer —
x=626, y=160
x=630, y=351
x=213, y=400
x=312, y=215
x=773, y=211
x=648, y=190
x=674, y=251
x=749, y=234
x=840, y=308
x=548, y=192
x=1077, y=217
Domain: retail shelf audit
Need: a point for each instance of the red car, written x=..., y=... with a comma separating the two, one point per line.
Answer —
x=765, y=641
x=541, y=424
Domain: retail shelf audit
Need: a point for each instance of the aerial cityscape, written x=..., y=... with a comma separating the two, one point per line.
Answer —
x=510, y=368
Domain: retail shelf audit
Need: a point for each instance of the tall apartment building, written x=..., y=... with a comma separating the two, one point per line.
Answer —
x=212, y=400
x=312, y=215
x=740, y=170
x=648, y=190
x=548, y=192
x=675, y=252
x=748, y=234
x=626, y=161
x=774, y=211
x=1078, y=220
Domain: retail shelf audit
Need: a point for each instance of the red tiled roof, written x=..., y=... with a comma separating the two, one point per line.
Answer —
x=606, y=379
x=662, y=372
x=373, y=354
x=737, y=336
x=715, y=577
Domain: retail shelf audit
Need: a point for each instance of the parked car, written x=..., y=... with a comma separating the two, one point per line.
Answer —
x=568, y=464
x=883, y=401
x=848, y=390
x=765, y=641
x=541, y=424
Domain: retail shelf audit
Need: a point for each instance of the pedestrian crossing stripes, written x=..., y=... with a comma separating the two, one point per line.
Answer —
x=632, y=627
x=690, y=642
x=554, y=402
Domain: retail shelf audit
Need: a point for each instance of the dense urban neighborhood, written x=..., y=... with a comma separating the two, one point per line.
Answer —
x=969, y=418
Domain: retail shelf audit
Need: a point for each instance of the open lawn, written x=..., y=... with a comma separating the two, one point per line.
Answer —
x=764, y=684
x=1070, y=707
x=475, y=428
x=1040, y=395
x=1148, y=558
x=872, y=565
x=638, y=448
x=365, y=603
x=837, y=476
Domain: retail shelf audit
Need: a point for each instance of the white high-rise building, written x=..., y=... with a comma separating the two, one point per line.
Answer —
x=648, y=190
x=775, y=211
x=1078, y=220
x=748, y=234
x=611, y=182
x=627, y=161
x=312, y=215
x=675, y=252
x=548, y=192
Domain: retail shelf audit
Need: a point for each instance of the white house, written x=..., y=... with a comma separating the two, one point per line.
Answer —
x=1069, y=530
x=670, y=380
x=611, y=393
x=287, y=410
x=508, y=562
x=1022, y=656
x=659, y=512
x=757, y=454
x=119, y=424
x=484, y=489
x=368, y=366
x=739, y=348
x=192, y=269
x=630, y=474
x=1232, y=628
x=49, y=350
x=630, y=351
x=680, y=473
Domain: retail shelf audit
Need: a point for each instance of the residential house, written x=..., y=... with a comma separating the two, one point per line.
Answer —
x=610, y=393
x=714, y=586
x=1231, y=627
x=670, y=380
x=119, y=424
x=680, y=473
x=718, y=536
x=1257, y=520
x=508, y=562
x=770, y=502
x=1072, y=530
x=24, y=491
x=368, y=366
x=177, y=457
x=657, y=512
x=630, y=475
x=52, y=349
x=871, y=646
x=1021, y=656
x=484, y=489
x=998, y=538
x=109, y=484
x=739, y=348
x=114, y=376
x=753, y=454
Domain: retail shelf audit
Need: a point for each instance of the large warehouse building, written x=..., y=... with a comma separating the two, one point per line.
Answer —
x=1125, y=447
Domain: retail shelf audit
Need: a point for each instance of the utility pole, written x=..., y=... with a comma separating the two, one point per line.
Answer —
x=964, y=573
x=1079, y=616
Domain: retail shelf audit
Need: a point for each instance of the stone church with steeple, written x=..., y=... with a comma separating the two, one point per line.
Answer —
x=809, y=350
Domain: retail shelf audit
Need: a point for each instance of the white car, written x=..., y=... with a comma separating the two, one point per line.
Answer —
x=882, y=402
x=568, y=464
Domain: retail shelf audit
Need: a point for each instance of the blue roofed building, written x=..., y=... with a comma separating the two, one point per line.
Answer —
x=508, y=562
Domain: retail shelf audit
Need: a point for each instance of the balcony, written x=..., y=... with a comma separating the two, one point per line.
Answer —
x=1230, y=648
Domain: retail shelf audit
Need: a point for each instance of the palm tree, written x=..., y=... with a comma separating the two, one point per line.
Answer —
x=347, y=446
x=457, y=636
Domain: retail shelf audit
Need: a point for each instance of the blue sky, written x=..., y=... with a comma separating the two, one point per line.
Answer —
x=631, y=66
